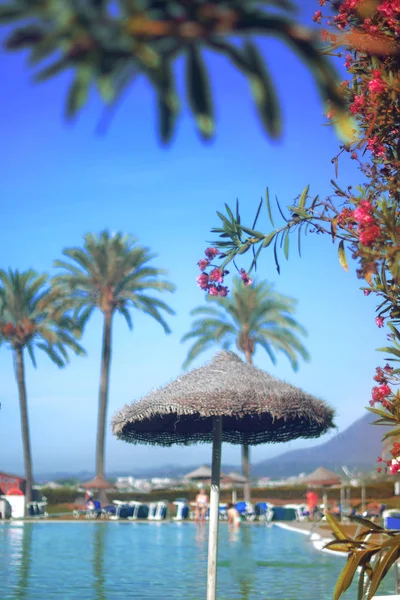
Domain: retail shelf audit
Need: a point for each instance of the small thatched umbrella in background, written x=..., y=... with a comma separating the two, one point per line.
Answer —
x=200, y=475
x=324, y=479
x=225, y=400
x=101, y=485
x=233, y=481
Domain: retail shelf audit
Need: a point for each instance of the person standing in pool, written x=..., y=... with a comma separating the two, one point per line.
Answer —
x=201, y=505
x=233, y=516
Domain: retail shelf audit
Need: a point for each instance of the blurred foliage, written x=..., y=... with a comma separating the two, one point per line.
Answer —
x=373, y=551
x=109, y=43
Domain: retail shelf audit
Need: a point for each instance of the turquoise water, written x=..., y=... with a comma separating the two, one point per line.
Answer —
x=160, y=561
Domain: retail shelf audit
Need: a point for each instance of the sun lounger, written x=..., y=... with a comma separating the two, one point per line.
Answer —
x=246, y=510
x=157, y=511
x=182, y=509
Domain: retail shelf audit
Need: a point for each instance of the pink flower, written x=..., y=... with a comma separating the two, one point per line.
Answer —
x=211, y=253
x=357, y=105
x=213, y=290
x=347, y=63
x=317, y=16
x=380, y=393
x=376, y=147
x=388, y=368
x=202, y=281
x=369, y=235
x=367, y=292
x=379, y=321
x=217, y=275
x=245, y=278
x=394, y=468
x=363, y=213
x=222, y=291
x=203, y=263
x=376, y=85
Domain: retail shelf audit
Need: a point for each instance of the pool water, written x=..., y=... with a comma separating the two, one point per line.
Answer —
x=161, y=561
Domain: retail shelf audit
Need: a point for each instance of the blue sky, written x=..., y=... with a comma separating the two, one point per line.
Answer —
x=61, y=180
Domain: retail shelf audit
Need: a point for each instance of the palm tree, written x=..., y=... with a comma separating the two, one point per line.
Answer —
x=34, y=315
x=111, y=273
x=253, y=316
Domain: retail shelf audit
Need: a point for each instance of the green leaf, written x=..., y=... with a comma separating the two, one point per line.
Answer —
x=299, y=212
x=230, y=213
x=303, y=197
x=346, y=576
x=390, y=350
x=336, y=528
x=199, y=92
x=244, y=248
x=276, y=256
x=78, y=92
x=286, y=245
x=267, y=202
x=252, y=232
x=168, y=104
x=342, y=256
x=268, y=239
x=11, y=12
x=386, y=562
x=392, y=433
x=263, y=90
x=52, y=70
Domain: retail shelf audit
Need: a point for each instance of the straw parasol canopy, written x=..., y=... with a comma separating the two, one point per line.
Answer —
x=203, y=473
x=322, y=477
x=226, y=400
x=256, y=408
x=233, y=478
x=98, y=483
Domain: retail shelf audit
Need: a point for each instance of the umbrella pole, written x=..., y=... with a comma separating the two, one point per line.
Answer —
x=214, y=509
x=363, y=497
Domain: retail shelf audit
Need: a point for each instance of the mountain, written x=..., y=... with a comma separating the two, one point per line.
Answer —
x=357, y=447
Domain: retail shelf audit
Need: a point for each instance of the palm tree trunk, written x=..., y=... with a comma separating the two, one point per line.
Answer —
x=20, y=376
x=246, y=453
x=103, y=394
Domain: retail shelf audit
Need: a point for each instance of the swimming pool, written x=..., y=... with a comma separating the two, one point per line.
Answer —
x=160, y=561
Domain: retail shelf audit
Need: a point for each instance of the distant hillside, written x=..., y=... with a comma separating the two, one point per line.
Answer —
x=357, y=447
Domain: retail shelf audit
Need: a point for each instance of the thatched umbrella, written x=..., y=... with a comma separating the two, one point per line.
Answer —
x=225, y=400
x=234, y=481
x=101, y=485
x=324, y=479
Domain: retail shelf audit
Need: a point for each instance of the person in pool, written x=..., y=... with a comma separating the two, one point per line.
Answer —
x=201, y=505
x=233, y=516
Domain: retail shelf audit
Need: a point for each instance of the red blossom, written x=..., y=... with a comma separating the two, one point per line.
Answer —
x=203, y=264
x=213, y=290
x=363, y=213
x=357, y=105
x=394, y=468
x=211, y=253
x=317, y=16
x=369, y=235
x=380, y=393
x=202, y=281
x=379, y=321
x=376, y=85
x=217, y=275
x=245, y=278
x=346, y=217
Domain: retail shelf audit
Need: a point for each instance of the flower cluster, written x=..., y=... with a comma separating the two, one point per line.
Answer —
x=211, y=282
x=381, y=392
